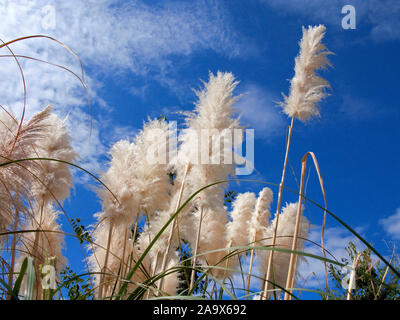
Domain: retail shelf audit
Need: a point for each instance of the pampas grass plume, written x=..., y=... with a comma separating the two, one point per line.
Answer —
x=306, y=87
x=55, y=143
x=286, y=226
x=238, y=228
x=259, y=220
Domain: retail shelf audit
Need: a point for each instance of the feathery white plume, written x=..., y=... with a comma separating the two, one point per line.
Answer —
x=238, y=229
x=171, y=281
x=152, y=152
x=259, y=220
x=120, y=180
x=54, y=176
x=43, y=135
x=306, y=87
x=15, y=179
x=212, y=238
x=121, y=257
x=214, y=111
x=286, y=226
x=48, y=242
x=138, y=184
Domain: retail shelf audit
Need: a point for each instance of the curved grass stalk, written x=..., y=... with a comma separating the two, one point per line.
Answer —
x=6, y=44
x=241, y=249
x=196, y=248
x=175, y=222
x=105, y=260
x=24, y=86
x=9, y=162
x=17, y=161
x=293, y=259
x=49, y=63
x=137, y=264
x=278, y=207
x=321, y=183
x=141, y=258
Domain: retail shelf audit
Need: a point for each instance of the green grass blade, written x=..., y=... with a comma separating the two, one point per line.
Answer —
x=146, y=251
x=30, y=280
x=18, y=282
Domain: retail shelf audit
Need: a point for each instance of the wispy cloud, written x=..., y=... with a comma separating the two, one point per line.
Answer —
x=336, y=239
x=391, y=225
x=112, y=39
x=311, y=271
x=259, y=110
x=357, y=108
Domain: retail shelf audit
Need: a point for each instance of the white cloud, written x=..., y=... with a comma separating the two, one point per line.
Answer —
x=391, y=225
x=356, y=108
x=132, y=36
x=312, y=271
x=260, y=112
x=111, y=38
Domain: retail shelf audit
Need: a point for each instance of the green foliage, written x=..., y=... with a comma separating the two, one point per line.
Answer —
x=18, y=282
x=80, y=231
x=229, y=197
x=171, y=176
x=185, y=272
x=373, y=281
x=30, y=279
x=77, y=287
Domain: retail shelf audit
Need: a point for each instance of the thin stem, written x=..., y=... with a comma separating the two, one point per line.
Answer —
x=123, y=257
x=353, y=275
x=290, y=276
x=101, y=286
x=278, y=209
x=196, y=249
x=250, y=270
x=153, y=273
x=14, y=244
x=164, y=261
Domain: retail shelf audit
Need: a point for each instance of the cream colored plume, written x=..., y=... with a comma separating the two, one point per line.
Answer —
x=153, y=149
x=238, y=229
x=48, y=241
x=306, y=87
x=120, y=257
x=286, y=226
x=54, y=177
x=44, y=135
x=259, y=220
x=15, y=180
x=138, y=183
x=214, y=112
x=212, y=238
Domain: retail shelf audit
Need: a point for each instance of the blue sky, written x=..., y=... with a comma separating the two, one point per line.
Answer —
x=144, y=60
